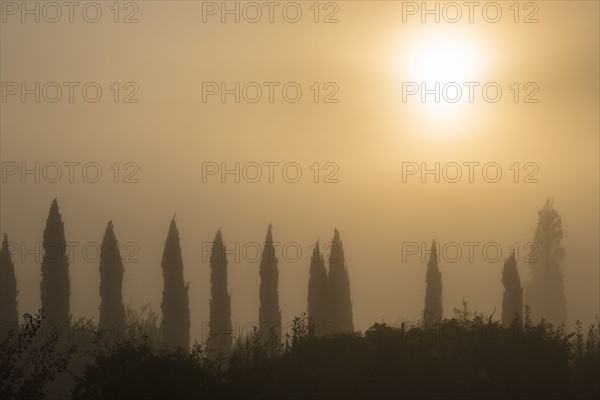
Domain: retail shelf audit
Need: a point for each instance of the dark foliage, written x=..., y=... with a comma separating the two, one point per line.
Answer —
x=175, y=301
x=512, y=299
x=339, y=287
x=112, y=310
x=9, y=315
x=269, y=314
x=55, y=286
x=468, y=356
x=318, y=292
x=30, y=359
x=135, y=370
x=433, y=310
x=545, y=291
x=219, y=341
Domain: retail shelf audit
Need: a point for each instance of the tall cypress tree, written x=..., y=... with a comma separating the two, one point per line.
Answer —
x=220, y=303
x=339, y=287
x=512, y=300
x=433, y=311
x=112, y=310
x=545, y=291
x=175, y=304
x=55, y=287
x=9, y=315
x=318, y=301
x=269, y=314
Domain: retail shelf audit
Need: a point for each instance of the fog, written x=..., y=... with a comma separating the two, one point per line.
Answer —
x=353, y=160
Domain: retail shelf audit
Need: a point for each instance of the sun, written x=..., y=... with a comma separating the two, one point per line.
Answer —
x=444, y=59
x=432, y=61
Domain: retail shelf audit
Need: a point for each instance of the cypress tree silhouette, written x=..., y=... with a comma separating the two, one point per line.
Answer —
x=339, y=287
x=9, y=315
x=545, y=292
x=512, y=300
x=112, y=310
x=318, y=301
x=175, y=304
x=55, y=287
x=433, y=311
x=269, y=314
x=220, y=303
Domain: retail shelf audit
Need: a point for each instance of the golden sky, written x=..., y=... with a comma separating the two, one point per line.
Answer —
x=175, y=52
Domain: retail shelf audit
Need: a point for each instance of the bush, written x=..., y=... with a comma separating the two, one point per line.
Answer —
x=31, y=358
x=467, y=356
x=132, y=370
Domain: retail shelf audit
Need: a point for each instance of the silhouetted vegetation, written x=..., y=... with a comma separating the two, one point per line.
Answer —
x=136, y=370
x=545, y=291
x=340, y=310
x=512, y=299
x=318, y=291
x=219, y=341
x=130, y=354
x=142, y=325
x=175, y=302
x=55, y=287
x=112, y=310
x=467, y=356
x=9, y=314
x=269, y=314
x=30, y=359
x=433, y=310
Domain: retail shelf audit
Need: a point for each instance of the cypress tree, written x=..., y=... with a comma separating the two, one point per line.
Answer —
x=55, y=287
x=175, y=302
x=220, y=303
x=318, y=291
x=269, y=314
x=9, y=315
x=512, y=300
x=339, y=287
x=433, y=311
x=112, y=310
x=545, y=290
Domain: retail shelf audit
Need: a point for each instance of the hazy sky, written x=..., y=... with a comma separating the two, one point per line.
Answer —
x=177, y=52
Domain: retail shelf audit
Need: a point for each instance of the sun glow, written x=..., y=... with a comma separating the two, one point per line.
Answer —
x=437, y=67
x=443, y=59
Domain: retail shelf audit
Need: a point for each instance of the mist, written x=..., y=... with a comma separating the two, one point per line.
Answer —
x=310, y=126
